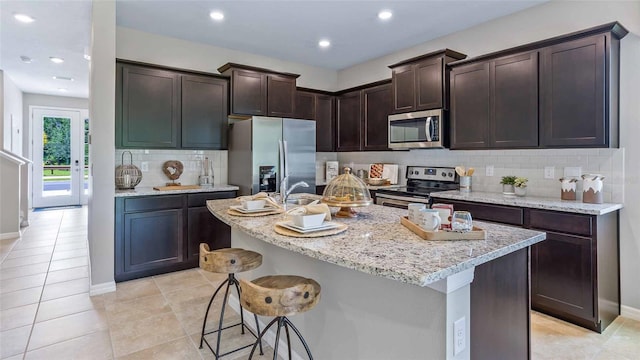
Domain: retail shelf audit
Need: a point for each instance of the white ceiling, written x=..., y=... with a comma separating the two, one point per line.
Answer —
x=287, y=30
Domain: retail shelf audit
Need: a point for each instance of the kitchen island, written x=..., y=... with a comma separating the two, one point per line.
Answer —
x=388, y=294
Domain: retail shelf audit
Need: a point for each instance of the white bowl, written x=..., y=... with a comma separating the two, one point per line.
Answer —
x=253, y=204
x=307, y=221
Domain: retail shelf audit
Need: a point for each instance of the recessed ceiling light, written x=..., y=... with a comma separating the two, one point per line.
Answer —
x=216, y=15
x=324, y=43
x=26, y=59
x=56, y=60
x=87, y=53
x=87, y=57
x=63, y=78
x=62, y=89
x=385, y=15
x=24, y=18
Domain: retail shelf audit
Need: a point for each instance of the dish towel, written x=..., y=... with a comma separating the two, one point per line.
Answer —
x=259, y=196
x=312, y=209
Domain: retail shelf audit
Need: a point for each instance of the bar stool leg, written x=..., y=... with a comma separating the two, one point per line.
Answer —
x=275, y=345
x=206, y=315
x=259, y=340
x=306, y=347
x=286, y=331
x=236, y=283
x=224, y=305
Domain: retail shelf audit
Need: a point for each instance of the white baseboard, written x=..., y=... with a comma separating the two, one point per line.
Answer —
x=11, y=235
x=270, y=336
x=630, y=312
x=102, y=288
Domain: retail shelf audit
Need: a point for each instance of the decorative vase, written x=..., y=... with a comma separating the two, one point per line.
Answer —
x=521, y=191
x=508, y=189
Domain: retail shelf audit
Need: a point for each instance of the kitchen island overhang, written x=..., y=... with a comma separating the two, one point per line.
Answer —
x=407, y=309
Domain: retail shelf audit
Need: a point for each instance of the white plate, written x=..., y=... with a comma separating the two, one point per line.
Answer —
x=327, y=225
x=239, y=208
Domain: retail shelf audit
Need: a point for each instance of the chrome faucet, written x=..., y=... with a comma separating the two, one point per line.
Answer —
x=284, y=192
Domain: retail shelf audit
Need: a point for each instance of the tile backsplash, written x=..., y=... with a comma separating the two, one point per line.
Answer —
x=527, y=163
x=191, y=159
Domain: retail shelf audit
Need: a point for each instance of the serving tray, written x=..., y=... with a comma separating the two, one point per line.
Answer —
x=475, y=234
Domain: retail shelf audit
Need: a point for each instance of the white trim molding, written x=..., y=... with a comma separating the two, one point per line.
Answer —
x=10, y=235
x=630, y=312
x=102, y=288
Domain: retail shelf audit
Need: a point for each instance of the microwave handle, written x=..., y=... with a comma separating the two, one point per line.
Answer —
x=427, y=129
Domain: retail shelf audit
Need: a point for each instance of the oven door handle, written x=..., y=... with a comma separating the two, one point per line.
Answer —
x=393, y=203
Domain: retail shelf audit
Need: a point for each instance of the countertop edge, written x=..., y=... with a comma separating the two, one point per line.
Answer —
x=149, y=191
x=530, y=202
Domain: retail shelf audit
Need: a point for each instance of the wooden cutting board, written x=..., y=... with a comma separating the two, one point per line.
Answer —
x=176, y=187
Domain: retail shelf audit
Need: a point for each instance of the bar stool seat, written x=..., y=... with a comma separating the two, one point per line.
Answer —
x=227, y=261
x=280, y=296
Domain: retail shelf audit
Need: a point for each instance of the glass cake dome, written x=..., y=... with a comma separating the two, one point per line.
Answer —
x=347, y=192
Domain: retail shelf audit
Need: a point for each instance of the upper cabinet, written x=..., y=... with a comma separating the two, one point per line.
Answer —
x=261, y=92
x=318, y=106
x=160, y=108
x=556, y=93
x=421, y=83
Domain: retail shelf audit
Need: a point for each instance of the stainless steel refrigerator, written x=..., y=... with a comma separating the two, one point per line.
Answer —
x=255, y=160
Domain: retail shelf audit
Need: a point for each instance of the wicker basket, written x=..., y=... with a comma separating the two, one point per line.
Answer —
x=127, y=175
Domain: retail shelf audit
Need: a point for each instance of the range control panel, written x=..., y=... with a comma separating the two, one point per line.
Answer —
x=431, y=173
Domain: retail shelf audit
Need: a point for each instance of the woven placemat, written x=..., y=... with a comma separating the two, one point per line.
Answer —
x=287, y=232
x=264, y=213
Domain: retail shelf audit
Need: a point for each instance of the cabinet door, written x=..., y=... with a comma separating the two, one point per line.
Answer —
x=470, y=106
x=348, y=122
x=514, y=101
x=573, y=107
x=153, y=240
x=325, y=123
x=204, y=112
x=404, y=83
x=377, y=105
x=150, y=108
x=429, y=78
x=562, y=279
x=248, y=93
x=281, y=94
x=305, y=105
x=206, y=228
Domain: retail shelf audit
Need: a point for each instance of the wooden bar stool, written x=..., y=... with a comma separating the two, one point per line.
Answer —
x=279, y=296
x=227, y=261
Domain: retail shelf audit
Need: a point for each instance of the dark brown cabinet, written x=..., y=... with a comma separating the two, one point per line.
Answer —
x=362, y=118
x=321, y=108
x=575, y=271
x=204, y=112
x=421, y=83
x=556, y=93
x=169, y=109
x=574, y=89
x=162, y=233
x=260, y=92
x=147, y=107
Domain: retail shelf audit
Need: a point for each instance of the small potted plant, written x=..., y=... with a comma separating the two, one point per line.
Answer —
x=508, y=183
x=520, y=185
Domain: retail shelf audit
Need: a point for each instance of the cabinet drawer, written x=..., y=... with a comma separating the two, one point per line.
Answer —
x=201, y=199
x=561, y=222
x=153, y=203
x=496, y=213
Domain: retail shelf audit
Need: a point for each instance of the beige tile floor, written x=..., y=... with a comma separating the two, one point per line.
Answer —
x=46, y=311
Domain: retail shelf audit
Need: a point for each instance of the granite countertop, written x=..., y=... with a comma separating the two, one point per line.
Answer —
x=376, y=243
x=529, y=202
x=145, y=190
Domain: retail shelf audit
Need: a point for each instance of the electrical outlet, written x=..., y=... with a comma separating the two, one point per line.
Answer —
x=144, y=166
x=489, y=170
x=459, y=335
x=549, y=172
x=193, y=165
x=146, y=151
x=572, y=171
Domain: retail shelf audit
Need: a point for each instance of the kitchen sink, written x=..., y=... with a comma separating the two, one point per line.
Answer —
x=300, y=201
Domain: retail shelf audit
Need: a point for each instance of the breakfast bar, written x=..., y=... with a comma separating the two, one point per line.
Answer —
x=386, y=293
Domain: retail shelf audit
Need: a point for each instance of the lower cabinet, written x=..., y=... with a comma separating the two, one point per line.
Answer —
x=162, y=233
x=575, y=271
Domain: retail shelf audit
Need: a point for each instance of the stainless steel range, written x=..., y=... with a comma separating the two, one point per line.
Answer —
x=421, y=181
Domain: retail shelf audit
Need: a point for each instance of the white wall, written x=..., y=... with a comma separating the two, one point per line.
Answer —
x=156, y=49
x=102, y=104
x=537, y=23
x=12, y=115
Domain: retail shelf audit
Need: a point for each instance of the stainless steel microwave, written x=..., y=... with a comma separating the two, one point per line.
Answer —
x=415, y=130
